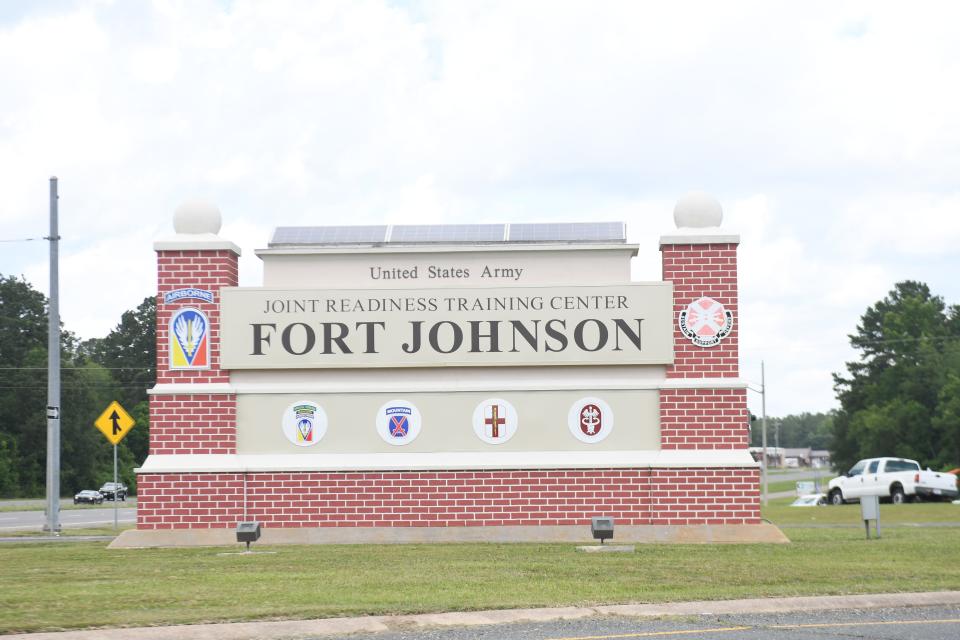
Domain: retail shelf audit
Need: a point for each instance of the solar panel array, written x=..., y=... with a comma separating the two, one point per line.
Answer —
x=330, y=235
x=447, y=233
x=450, y=233
x=568, y=232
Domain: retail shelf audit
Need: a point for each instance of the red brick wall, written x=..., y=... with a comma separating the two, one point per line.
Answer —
x=705, y=496
x=703, y=270
x=451, y=498
x=704, y=419
x=193, y=423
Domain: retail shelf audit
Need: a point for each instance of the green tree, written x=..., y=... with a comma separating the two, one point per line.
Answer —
x=23, y=320
x=129, y=353
x=890, y=399
x=796, y=430
x=9, y=476
x=23, y=399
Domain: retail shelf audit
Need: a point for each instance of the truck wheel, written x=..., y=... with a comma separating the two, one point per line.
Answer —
x=897, y=496
x=836, y=497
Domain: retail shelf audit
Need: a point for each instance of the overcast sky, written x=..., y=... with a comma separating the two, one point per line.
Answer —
x=829, y=131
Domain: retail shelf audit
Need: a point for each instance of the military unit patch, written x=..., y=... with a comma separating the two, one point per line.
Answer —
x=590, y=420
x=189, y=344
x=304, y=423
x=705, y=322
x=398, y=422
x=495, y=421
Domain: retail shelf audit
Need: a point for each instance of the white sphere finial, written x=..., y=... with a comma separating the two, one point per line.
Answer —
x=698, y=209
x=197, y=216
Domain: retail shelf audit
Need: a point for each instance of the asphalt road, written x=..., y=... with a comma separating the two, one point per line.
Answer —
x=71, y=518
x=909, y=623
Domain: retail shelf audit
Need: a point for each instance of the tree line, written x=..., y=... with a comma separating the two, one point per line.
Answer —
x=119, y=366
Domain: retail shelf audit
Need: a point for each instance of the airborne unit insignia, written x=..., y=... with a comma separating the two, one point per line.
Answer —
x=189, y=343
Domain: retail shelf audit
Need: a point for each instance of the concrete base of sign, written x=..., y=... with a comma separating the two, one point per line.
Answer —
x=686, y=534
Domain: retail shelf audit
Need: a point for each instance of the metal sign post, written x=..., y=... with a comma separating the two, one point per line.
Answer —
x=115, y=489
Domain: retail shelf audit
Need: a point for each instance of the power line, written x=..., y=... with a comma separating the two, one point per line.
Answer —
x=81, y=387
x=22, y=239
x=98, y=368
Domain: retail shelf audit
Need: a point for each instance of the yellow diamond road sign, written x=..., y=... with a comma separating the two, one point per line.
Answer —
x=115, y=423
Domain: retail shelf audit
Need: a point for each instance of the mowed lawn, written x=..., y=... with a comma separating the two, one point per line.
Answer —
x=76, y=585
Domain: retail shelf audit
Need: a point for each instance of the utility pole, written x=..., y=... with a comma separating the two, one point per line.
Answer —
x=53, y=372
x=763, y=405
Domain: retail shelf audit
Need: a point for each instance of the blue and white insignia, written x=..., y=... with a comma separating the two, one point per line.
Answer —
x=185, y=294
x=189, y=347
x=398, y=422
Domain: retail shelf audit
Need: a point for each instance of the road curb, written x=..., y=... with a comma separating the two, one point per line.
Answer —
x=291, y=629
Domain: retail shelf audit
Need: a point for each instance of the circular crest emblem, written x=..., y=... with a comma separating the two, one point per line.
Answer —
x=304, y=423
x=495, y=421
x=706, y=322
x=398, y=422
x=590, y=420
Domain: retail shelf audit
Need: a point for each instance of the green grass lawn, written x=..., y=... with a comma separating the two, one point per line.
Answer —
x=783, y=485
x=783, y=515
x=52, y=586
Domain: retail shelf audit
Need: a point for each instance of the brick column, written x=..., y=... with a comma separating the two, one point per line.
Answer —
x=192, y=410
x=189, y=422
x=703, y=405
x=705, y=417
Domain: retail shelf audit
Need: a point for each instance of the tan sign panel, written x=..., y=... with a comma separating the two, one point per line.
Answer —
x=529, y=421
x=580, y=325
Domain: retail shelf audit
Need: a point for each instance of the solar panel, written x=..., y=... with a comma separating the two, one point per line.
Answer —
x=415, y=233
x=451, y=233
x=330, y=235
x=568, y=232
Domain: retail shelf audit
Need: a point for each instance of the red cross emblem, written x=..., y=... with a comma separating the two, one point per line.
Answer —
x=495, y=421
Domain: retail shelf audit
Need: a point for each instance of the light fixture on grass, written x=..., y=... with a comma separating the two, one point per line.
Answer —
x=248, y=532
x=602, y=528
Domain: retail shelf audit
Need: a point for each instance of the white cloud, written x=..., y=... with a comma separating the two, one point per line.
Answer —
x=827, y=129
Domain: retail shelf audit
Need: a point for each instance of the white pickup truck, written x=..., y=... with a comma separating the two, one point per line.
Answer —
x=896, y=478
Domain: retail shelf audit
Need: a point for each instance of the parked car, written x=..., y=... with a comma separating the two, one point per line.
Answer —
x=88, y=495
x=114, y=491
x=896, y=478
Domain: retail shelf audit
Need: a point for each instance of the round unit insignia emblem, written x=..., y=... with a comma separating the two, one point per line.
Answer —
x=189, y=347
x=590, y=420
x=398, y=422
x=304, y=423
x=706, y=322
x=495, y=421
